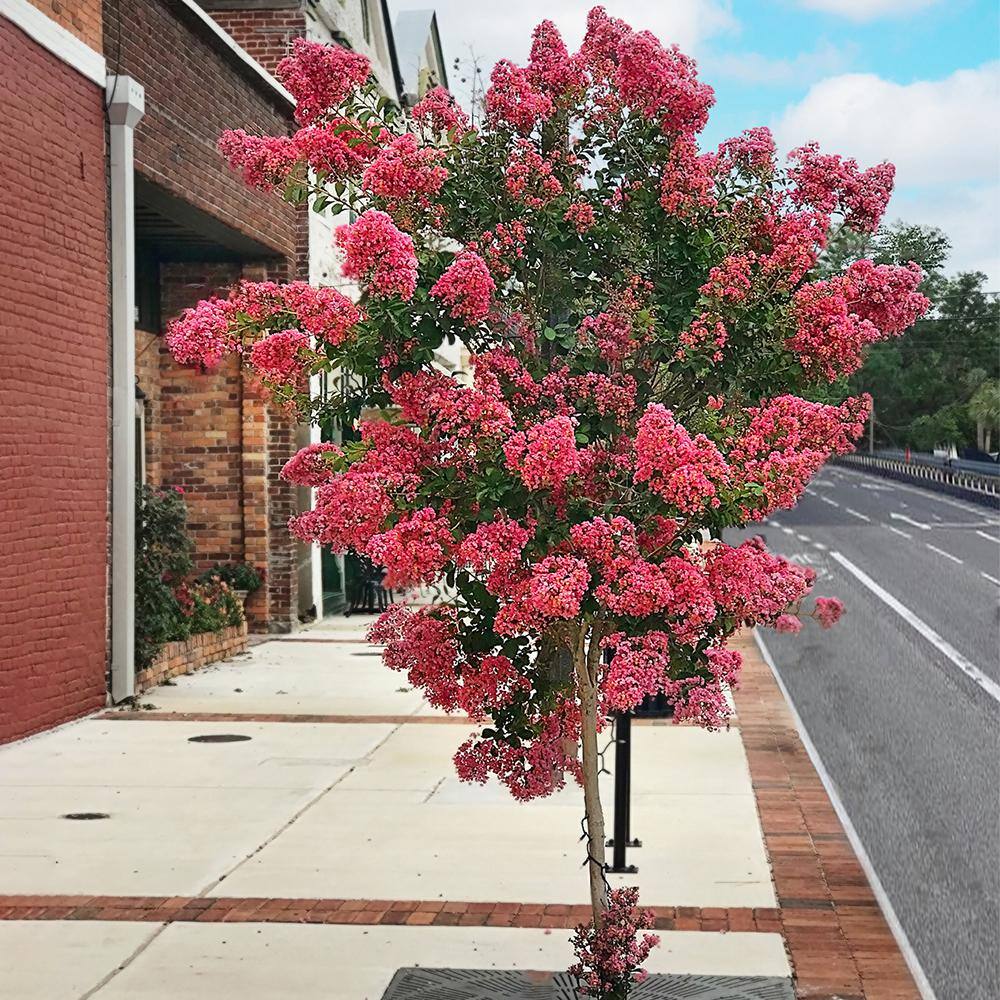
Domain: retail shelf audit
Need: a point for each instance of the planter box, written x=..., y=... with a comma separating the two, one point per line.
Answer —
x=187, y=655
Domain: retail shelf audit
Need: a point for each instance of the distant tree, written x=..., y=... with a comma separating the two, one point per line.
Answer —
x=922, y=385
x=984, y=409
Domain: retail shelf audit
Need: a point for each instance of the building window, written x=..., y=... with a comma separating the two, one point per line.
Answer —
x=366, y=21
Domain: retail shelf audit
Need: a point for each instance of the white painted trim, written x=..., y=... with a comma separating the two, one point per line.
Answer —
x=885, y=904
x=58, y=40
x=237, y=50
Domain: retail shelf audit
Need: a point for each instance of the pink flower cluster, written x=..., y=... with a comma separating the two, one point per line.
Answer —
x=752, y=585
x=264, y=161
x=829, y=182
x=405, y=172
x=530, y=176
x=687, y=184
x=686, y=472
x=662, y=84
x=751, y=153
x=377, y=252
x=729, y=281
x=581, y=215
x=320, y=77
x=609, y=958
x=512, y=100
x=414, y=550
x=202, y=335
x=466, y=288
x=439, y=111
x=545, y=455
x=838, y=317
x=786, y=441
x=277, y=358
x=613, y=334
x=828, y=611
x=309, y=466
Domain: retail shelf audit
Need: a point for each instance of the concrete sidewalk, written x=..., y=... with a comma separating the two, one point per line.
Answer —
x=335, y=846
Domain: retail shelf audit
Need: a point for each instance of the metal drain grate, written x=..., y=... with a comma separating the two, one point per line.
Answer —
x=493, y=984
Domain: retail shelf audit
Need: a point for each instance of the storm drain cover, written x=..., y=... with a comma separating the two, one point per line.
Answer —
x=219, y=738
x=501, y=984
x=86, y=816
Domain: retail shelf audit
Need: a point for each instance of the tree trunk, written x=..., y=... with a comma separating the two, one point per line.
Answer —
x=591, y=790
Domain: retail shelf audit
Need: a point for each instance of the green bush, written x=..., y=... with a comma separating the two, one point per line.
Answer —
x=167, y=607
x=238, y=575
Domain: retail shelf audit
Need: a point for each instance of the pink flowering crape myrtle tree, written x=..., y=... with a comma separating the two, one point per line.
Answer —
x=650, y=365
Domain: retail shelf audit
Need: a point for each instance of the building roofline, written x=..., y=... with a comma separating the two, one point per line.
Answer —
x=224, y=39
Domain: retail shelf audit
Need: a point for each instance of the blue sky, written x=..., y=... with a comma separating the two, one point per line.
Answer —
x=913, y=81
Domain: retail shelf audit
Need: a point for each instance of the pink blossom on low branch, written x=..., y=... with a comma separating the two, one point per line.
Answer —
x=581, y=215
x=545, y=455
x=687, y=183
x=466, y=288
x=380, y=254
x=687, y=472
x=787, y=623
x=327, y=314
x=309, y=467
x=609, y=958
x=337, y=149
x=492, y=543
x=828, y=611
x=320, y=77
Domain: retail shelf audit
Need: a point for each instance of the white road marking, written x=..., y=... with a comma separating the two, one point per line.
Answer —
x=803, y=538
x=788, y=531
x=941, y=552
x=884, y=902
x=862, y=517
x=774, y=524
x=968, y=668
x=909, y=520
x=832, y=503
x=992, y=538
x=898, y=531
x=820, y=546
x=810, y=491
x=992, y=579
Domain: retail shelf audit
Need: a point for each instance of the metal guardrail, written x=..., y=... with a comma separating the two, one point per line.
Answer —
x=989, y=469
x=982, y=489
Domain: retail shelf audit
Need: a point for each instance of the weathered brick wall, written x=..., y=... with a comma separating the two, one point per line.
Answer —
x=194, y=91
x=82, y=17
x=266, y=33
x=214, y=435
x=54, y=402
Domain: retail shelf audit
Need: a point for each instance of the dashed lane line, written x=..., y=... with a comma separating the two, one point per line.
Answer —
x=941, y=552
x=967, y=667
x=992, y=579
x=992, y=538
x=858, y=514
x=832, y=503
x=899, y=531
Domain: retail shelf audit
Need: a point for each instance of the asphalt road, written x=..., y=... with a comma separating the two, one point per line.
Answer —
x=902, y=701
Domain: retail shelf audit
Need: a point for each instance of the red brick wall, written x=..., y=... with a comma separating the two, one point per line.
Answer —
x=54, y=403
x=82, y=17
x=195, y=90
x=265, y=33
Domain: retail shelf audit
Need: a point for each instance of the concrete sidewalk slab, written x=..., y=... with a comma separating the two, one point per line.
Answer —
x=294, y=678
x=180, y=814
x=265, y=961
x=62, y=961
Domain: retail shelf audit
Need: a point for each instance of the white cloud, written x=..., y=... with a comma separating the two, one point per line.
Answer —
x=941, y=131
x=969, y=215
x=501, y=29
x=755, y=68
x=867, y=10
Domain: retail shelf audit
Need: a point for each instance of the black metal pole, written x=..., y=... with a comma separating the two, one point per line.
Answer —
x=623, y=765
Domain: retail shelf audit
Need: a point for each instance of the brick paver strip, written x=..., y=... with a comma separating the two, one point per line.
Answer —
x=439, y=913
x=837, y=937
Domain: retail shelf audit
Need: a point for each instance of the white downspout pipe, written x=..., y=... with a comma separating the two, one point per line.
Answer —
x=126, y=104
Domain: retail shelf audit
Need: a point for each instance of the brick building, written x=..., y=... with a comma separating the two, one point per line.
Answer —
x=117, y=214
